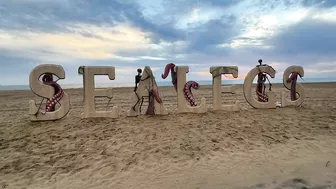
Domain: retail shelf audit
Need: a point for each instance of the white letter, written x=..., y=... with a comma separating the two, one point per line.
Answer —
x=298, y=88
x=90, y=92
x=48, y=89
x=183, y=92
x=147, y=89
x=218, y=89
x=248, y=85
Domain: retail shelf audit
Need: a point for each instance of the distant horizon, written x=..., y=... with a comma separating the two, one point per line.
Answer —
x=165, y=83
x=277, y=79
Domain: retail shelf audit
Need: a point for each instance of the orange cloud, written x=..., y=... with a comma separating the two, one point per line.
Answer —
x=227, y=76
x=108, y=42
x=202, y=73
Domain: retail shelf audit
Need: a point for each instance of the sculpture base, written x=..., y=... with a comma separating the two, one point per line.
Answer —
x=202, y=108
x=103, y=114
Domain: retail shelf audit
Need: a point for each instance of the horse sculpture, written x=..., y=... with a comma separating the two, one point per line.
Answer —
x=147, y=88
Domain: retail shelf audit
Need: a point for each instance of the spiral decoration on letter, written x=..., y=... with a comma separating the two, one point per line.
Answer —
x=173, y=74
x=51, y=103
x=188, y=94
x=293, y=79
x=187, y=87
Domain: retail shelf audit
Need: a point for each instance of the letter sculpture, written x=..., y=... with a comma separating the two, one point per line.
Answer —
x=183, y=89
x=218, y=89
x=147, y=89
x=90, y=92
x=264, y=100
x=49, y=89
x=289, y=80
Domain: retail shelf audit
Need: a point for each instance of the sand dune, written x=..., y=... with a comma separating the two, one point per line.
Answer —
x=282, y=148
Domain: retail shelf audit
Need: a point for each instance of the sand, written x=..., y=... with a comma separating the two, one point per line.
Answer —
x=292, y=147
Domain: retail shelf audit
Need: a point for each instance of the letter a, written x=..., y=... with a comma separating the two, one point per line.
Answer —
x=149, y=89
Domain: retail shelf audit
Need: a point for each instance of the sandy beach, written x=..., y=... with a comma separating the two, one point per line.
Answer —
x=292, y=147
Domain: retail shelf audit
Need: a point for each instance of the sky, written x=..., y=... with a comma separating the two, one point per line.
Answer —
x=131, y=34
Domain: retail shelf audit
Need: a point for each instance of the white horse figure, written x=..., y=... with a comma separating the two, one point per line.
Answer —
x=147, y=89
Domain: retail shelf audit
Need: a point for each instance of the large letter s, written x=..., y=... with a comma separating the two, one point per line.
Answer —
x=48, y=89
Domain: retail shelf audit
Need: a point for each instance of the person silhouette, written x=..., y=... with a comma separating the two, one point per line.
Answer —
x=262, y=77
x=137, y=81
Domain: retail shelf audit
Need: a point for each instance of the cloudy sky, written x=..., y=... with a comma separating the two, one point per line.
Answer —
x=131, y=34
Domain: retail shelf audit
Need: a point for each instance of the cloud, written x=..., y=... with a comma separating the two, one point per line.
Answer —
x=320, y=3
x=222, y=30
x=52, y=16
x=308, y=36
x=103, y=45
x=196, y=33
x=224, y=76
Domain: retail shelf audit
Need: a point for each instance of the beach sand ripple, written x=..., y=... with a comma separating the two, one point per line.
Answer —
x=292, y=147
